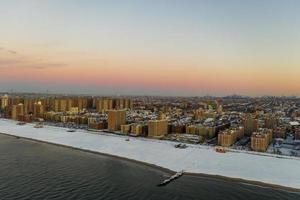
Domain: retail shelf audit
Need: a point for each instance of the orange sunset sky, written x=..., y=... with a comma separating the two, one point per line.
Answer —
x=151, y=47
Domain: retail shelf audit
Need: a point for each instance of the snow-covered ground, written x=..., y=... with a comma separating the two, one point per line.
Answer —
x=195, y=159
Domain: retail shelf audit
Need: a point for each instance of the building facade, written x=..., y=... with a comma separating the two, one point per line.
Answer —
x=157, y=128
x=116, y=118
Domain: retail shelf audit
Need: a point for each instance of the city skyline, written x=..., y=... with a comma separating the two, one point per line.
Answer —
x=150, y=99
x=169, y=48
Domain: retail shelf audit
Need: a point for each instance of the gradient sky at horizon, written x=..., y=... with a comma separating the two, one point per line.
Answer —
x=151, y=47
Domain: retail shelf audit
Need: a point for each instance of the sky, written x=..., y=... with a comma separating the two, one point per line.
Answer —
x=150, y=47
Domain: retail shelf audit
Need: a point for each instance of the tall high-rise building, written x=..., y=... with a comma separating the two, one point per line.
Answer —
x=116, y=118
x=157, y=128
x=261, y=139
x=137, y=129
x=69, y=104
x=201, y=130
x=199, y=113
x=38, y=109
x=4, y=101
x=228, y=137
x=271, y=122
x=125, y=129
x=104, y=104
x=17, y=111
x=60, y=105
x=63, y=105
x=17, y=100
x=56, y=105
x=128, y=104
x=29, y=105
x=82, y=103
x=250, y=125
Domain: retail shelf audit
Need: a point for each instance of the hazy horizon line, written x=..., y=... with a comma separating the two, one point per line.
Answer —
x=145, y=95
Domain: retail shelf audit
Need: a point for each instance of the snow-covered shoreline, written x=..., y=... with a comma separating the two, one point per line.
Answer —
x=195, y=159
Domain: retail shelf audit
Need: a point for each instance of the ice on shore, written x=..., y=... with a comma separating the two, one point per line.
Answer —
x=195, y=159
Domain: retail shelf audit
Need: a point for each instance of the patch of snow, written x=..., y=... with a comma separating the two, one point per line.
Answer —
x=196, y=159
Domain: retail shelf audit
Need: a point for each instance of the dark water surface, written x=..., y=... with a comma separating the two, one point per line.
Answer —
x=32, y=170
